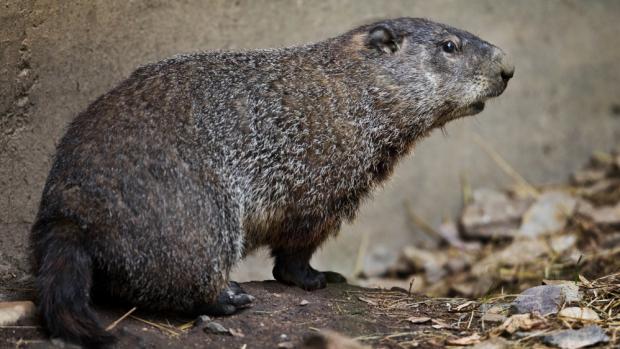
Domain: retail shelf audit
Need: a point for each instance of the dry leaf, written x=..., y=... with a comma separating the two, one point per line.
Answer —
x=438, y=324
x=518, y=322
x=469, y=340
x=491, y=317
x=419, y=319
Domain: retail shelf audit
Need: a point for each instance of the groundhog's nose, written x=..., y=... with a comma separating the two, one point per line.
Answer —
x=507, y=69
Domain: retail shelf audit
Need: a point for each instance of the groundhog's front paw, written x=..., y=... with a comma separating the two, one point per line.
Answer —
x=229, y=301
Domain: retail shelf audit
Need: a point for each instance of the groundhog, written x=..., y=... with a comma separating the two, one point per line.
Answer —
x=162, y=184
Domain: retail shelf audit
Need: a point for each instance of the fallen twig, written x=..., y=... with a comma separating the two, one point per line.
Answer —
x=112, y=325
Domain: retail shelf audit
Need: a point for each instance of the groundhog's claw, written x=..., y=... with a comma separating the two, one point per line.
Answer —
x=231, y=299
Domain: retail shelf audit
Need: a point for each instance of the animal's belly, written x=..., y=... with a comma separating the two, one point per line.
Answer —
x=283, y=228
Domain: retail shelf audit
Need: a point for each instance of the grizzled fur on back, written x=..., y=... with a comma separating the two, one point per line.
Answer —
x=169, y=179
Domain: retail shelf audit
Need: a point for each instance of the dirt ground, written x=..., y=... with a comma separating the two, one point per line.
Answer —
x=278, y=319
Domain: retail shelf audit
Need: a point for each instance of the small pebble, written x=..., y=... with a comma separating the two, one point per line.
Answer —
x=202, y=320
x=577, y=313
x=216, y=327
x=418, y=319
x=304, y=302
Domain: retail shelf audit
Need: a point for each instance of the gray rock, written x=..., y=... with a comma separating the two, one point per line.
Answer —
x=493, y=214
x=216, y=327
x=542, y=299
x=202, y=320
x=570, y=290
x=546, y=299
x=574, y=339
x=548, y=214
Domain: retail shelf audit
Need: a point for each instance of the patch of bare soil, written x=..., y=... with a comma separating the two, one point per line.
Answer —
x=282, y=317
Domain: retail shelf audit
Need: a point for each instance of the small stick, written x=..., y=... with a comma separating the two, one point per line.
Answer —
x=466, y=188
x=158, y=326
x=470, y=319
x=419, y=222
x=535, y=334
x=21, y=342
x=15, y=327
x=361, y=253
x=400, y=334
x=112, y=325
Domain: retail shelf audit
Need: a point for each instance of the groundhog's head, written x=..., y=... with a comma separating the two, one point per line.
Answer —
x=444, y=72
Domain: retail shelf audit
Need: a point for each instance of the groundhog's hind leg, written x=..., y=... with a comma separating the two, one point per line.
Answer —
x=292, y=267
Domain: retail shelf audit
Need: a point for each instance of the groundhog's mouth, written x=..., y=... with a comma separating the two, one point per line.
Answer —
x=467, y=110
x=477, y=107
x=470, y=109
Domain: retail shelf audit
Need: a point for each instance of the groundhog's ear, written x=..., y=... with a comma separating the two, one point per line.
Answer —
x=384, y=39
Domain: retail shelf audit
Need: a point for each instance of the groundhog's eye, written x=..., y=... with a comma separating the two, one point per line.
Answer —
x=449, y=47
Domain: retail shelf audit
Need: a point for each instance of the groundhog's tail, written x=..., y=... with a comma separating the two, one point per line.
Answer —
x=64, y=279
